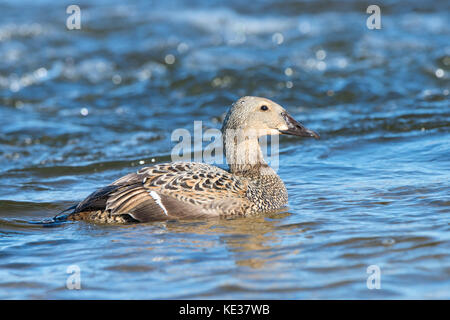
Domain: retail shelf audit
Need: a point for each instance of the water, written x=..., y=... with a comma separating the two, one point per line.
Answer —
x=81, y=108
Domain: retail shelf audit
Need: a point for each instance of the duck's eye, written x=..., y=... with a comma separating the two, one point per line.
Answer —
x=264, y=108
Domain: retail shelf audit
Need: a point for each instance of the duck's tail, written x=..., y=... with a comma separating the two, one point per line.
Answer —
x=61, y=217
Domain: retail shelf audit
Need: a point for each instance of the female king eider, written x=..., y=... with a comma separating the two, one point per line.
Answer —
x=183, y=190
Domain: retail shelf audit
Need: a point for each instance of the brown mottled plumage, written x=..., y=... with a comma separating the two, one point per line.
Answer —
x=195, y=190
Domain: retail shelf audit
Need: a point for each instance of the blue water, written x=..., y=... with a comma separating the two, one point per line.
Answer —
x=80, y=108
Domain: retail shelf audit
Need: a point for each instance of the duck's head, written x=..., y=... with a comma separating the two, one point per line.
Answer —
x=265, y=117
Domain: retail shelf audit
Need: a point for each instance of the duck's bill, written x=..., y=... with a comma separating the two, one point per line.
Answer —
x=296, y=128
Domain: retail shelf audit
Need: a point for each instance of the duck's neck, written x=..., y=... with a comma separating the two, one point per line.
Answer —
x=245, y=158
x=244, y=155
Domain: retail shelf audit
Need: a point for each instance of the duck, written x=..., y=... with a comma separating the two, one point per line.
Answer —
x=196, y=190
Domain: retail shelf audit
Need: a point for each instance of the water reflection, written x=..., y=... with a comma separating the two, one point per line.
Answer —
x=253, y=241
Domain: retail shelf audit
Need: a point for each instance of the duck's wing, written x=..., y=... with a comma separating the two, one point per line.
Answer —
x=174, y=190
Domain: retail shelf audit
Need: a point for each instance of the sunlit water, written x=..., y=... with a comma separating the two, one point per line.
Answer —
x=81, y=108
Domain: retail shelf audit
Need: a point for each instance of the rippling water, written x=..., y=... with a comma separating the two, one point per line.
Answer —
x=81, y=108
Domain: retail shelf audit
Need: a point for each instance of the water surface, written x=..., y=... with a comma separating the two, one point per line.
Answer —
x=81, y=108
